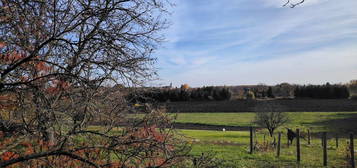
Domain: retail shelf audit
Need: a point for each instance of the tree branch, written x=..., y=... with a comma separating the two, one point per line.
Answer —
x=45, y=154
x=292, y=5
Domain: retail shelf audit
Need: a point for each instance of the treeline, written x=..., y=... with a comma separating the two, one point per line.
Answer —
x=326, y=91
x=181, y=94
x=284, y=90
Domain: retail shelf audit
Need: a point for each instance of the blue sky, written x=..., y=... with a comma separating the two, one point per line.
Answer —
x=234, y=42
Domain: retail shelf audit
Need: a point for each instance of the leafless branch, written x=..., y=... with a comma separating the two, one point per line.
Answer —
x=293, y=5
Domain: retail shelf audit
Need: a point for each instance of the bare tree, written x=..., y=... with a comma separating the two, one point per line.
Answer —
x=55, y=57
x=271, y=120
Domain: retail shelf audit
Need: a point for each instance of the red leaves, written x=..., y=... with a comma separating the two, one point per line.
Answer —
x=159, y=161
x=31, y=68
x=29, y=150
x=2, y=44
x=8, y=155
x=115, y=165
x=2, y=134
x=42, y=67
x=57, y=86
x=28, y=147
x=155, y=134
x=11, y=57
x=7, y=102
x=153, y=157
x=149, y=132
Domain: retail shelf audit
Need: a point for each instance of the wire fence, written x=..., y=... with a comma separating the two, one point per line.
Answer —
x=297, y=134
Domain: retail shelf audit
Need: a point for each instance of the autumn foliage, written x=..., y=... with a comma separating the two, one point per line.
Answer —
x=55, y=58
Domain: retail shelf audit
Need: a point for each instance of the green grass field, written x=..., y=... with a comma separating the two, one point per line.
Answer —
x=318, y=121
x=232, y=146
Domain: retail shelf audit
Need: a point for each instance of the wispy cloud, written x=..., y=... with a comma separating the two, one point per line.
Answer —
x=177, y=60
x=212, y=41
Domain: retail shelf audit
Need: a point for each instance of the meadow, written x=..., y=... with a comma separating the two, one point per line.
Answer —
x=232, y=146
x=337, y=122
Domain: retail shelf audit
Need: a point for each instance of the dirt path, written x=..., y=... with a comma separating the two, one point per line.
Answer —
x=196, y=126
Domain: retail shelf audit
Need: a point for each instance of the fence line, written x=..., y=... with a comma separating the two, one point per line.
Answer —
x=278, y=149
x=309, y=138
x=352, y=151
x=298, y=145
x=324, y=137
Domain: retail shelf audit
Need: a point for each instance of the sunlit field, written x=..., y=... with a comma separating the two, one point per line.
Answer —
x=233, y=146
x=317, y=121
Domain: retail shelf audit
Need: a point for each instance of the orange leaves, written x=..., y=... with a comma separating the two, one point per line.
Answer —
x=2, y=44
x=8, y=155
x=115, y=165
x=52, y=90
x=159, y=161
x=23, y=78
x=185, y=86
x=32, y=67
x=11, y=57
x=4, y=98
x=7, y=102
x=63, y=84
x=57, y=86
x=152, y=133
x=151, y=158
x=149, y=132
x=41, y=66
x=155, y=134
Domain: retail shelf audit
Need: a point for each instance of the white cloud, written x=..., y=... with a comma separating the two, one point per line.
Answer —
x=316, y=67
x=313, y=43
x=202, y=60
x=178, y=60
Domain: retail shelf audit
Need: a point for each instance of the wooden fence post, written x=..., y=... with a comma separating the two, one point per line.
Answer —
x=278, y=150
x=298, y=145
x=352, y=151
x=336, y=140
x=251, y=140
x=255, y=137
x=287, y=138
x=322, y=140
x=324, y=148
x=308, y=136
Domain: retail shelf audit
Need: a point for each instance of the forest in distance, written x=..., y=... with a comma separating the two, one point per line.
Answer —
x=284, y=90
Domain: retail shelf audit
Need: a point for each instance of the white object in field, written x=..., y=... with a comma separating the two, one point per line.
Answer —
x=223, y=129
